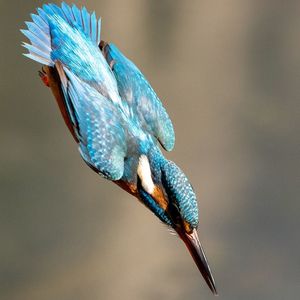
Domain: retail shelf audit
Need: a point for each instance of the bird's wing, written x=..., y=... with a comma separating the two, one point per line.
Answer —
x=141, y=99
x=98, y=124
x=66, y=40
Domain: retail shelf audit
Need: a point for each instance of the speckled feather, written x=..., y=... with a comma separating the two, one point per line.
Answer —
x=102, y=134
x=116, y=114
x=141, y=98
x=181, y=192
x=115, y=117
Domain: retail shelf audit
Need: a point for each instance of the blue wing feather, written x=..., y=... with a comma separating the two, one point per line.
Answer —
x=68, y=38
x=101, y=128
x=104, y=121
x=141, y=98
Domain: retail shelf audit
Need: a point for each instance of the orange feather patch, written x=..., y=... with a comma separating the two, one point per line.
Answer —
x=159, y=197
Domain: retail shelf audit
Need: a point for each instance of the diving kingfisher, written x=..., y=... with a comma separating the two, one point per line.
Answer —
x=114, y=116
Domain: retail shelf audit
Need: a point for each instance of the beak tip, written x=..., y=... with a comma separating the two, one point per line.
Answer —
x=194, y=246
x=214, y=291
x=212, y=286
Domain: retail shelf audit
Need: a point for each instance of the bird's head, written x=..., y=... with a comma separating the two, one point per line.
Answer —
x=166, y=191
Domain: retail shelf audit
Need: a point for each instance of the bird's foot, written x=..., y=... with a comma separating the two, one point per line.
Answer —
x=44, y=77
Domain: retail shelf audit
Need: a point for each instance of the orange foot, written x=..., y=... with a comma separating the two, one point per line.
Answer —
x=44, y=77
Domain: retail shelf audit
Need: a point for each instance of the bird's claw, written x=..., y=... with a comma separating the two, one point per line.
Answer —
x=43, y=75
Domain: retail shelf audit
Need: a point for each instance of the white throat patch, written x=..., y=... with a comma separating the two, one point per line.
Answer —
x=144, y=172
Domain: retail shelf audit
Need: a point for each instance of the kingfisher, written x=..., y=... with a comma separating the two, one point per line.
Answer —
x=115, y=117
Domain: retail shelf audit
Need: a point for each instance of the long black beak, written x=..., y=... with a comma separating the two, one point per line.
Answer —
x=192, y=242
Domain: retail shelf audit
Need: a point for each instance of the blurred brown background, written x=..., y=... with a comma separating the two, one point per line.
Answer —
x=228, y=73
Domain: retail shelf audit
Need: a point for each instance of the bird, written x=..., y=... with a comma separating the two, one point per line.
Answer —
x=118, y=122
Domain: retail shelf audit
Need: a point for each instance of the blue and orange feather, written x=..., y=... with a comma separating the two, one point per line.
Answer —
x=115, y=116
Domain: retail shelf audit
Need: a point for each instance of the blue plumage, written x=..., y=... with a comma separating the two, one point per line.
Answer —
x=101, y=132
x=141, y=98
x=114, y=115
x=180, y=190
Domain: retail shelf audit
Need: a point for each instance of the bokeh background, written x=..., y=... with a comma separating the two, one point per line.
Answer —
x=228, y=73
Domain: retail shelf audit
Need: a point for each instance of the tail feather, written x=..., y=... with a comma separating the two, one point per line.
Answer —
x=95, y=29
x=68, y=12
x=38, y=31
x=38, y=50
x=34, y=50
x=38, y=20
x=77, y=15
x=38, y=58
x=86, y=21
x=42, y=14
x=52, y=8
x=36, y=41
